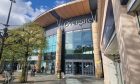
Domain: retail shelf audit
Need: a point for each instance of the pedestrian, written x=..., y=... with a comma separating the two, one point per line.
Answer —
x=62, y=74
x=33, y=71
x=42, y=69
x=46, y=70
x=8, y=76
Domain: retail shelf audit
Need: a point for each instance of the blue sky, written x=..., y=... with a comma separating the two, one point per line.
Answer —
x=47, y=3
x=24, y=11
x=38, y=3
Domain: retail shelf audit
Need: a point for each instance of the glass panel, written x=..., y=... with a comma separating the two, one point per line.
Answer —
x=51, y=43
x=51, y=40
x=69, y=49
x=77, y=48
x=87, y=35
x=69, y=46
x=54, y=40
x=69, y=37
x=87, y=48
x=68, y=68
x=87, y=68
x=53, y=48
x=78, y=42
x=77, y=35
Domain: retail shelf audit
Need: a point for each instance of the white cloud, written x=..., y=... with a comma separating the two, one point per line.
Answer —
x=21, y=13
x=59, y=2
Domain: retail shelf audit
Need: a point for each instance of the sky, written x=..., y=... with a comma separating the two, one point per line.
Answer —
x=24, y=11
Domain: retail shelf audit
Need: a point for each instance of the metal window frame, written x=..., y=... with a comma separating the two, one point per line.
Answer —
x=138, y=21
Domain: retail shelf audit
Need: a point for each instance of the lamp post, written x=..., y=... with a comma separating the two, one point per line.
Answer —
x=5, y=34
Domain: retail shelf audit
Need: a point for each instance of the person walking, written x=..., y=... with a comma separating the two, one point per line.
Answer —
x=33, y=71
x=8, y=77
x=42, y=69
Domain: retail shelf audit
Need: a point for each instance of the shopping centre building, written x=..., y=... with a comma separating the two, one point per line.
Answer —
x=69, y=34
x=89, y=37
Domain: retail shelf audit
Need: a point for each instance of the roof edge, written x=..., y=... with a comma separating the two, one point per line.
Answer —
x=62, y=5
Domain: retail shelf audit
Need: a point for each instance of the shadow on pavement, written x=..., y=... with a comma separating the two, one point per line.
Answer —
x=30, y=82
x=1, y=81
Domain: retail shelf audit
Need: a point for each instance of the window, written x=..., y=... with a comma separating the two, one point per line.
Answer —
x=51, y=47
x=77, y=48
x=69, y=48
x=87, y=35
x=77, y=36
x=78, y=43
x=69, y=37
x=54, y=39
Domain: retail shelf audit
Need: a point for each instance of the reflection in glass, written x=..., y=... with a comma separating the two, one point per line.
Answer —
x=78, y=43
x=51, y=43
x=50, y=52
x=69, y=48
x=77, y=35
x=69, y=37
x=88, y=48
x=87, y=36
x=77, y=48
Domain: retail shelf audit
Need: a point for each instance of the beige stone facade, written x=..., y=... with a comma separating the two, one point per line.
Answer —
x=96, y=50
x=128, y=40
x=38, y=67
x=58, y=52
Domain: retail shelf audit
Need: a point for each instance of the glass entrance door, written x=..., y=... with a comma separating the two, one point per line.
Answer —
x=87, y=68
x=79, y=68
x=68, y=67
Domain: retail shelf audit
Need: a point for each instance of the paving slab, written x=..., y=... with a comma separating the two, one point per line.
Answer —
x=51, y=79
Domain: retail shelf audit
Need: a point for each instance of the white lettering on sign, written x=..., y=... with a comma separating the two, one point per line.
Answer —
x=77, y=22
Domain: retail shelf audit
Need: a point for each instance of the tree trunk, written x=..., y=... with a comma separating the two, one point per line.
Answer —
x=1, y=66
x=2, y=46
x=24, y=74
x=1, y=52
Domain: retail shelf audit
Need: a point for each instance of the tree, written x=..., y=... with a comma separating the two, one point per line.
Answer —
x=32, y=37
x=5, y=52
x=12, y=48
x=23, y=41
x=3, y=37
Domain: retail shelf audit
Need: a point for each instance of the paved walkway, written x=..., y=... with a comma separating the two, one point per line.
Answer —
x=1, y=78
x=51, y=79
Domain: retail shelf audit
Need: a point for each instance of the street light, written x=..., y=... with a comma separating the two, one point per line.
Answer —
x=12, y=1
x=5, y=34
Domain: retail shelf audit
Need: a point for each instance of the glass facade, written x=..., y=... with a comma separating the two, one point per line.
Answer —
x=51, y=44
x=50, y=52
x=78, y=44
x=79, y=52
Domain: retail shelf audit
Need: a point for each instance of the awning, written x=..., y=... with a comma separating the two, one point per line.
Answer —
x=65, y=11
